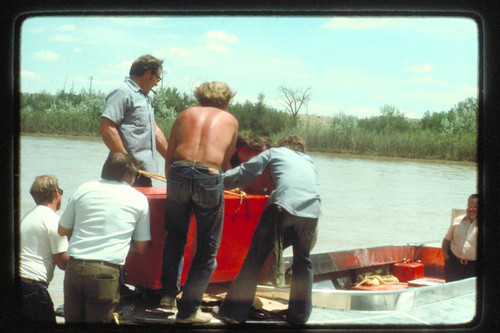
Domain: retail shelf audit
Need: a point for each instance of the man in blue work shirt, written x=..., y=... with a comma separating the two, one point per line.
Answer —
x=128, y=122
x=295, y=205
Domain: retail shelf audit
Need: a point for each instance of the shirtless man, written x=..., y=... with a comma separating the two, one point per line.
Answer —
x=201, y=143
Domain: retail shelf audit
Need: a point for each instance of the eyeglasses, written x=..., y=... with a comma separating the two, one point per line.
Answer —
x=60, y=191
x=158, y=78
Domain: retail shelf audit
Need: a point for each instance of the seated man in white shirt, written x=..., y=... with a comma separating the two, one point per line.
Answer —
x=41, y=249
x=105, y=219
x=460, y=244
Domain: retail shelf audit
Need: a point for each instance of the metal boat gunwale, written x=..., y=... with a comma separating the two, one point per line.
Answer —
x=329, y=266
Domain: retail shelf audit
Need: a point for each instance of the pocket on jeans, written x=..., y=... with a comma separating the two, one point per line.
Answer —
x=104, y=288
x=210, y=195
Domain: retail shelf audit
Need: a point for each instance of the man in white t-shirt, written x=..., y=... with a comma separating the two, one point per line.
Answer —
x=105, y=219
x=41, y=249
x=460, y=244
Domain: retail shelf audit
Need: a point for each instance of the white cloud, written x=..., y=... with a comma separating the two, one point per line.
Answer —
x=117, y=69
x=66, y=27
x=29, y=75
x=221, y=36
x=38, y=30
x=420, y=69
x=467, y=90
x=77, y=50
x=217, y=48
x=64, y=38
x=46, y=55
x=358, y=23
x=428, y=80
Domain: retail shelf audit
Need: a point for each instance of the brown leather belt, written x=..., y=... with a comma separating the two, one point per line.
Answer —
x=199, y=163
x=212, y=167
x=102, y=262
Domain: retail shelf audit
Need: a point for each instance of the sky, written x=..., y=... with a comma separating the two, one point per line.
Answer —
x=351, y=65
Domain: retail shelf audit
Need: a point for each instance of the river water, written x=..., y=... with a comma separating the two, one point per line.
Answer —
x=365, y=200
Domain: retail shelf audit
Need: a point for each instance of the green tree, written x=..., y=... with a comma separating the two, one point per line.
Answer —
x=164, y=103
x=434, y=121
x=174, y=99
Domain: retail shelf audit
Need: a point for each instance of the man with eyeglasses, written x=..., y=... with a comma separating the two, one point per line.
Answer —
x=105, y=219
x=128, y=122
x=41, y=249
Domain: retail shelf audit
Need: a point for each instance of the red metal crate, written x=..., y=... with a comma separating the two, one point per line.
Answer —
x=241, y=216
x=408, y=270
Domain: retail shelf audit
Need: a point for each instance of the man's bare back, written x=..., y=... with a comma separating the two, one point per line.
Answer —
x=203, y=134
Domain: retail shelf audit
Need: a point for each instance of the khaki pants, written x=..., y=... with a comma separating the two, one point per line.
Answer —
x=91, y=291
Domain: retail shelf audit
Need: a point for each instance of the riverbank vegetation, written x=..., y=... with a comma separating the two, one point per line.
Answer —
x=446, y=135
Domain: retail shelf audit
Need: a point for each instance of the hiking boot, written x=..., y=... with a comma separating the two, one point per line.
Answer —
x=168, y=302
x=199, y=317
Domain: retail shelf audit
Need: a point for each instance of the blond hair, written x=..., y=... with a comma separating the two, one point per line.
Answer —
x=215, y=94
x=43, y=190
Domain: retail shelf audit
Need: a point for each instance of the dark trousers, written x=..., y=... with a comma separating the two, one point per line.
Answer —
x=36, y=302
x=455, y=270
x=299, y=233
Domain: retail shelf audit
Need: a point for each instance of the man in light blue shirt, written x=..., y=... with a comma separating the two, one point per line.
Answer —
x=128, y=122
x=295, y=205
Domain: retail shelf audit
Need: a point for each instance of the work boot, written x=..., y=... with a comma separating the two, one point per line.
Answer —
x=168, y=302
x=199, y=317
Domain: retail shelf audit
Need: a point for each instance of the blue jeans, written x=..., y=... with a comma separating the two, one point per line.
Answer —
x=36, y=302
x=297, y=232
x=191, y=189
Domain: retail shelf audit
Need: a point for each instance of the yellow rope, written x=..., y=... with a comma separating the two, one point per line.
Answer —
x=152, y=175
x=239, y=193
x=375, y=280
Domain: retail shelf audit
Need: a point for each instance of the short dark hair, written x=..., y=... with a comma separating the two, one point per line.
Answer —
x=144, y=63
x=474, y=196
x=293, y=142
x=43, y=190
x=118, y=166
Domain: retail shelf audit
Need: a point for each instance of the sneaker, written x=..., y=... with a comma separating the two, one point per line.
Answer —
x=168, y=302
x=199, y=317
x=225, y=320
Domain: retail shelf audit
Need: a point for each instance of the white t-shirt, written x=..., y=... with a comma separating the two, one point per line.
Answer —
x=463, y=237
x=39, y=241
x=105, y=215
